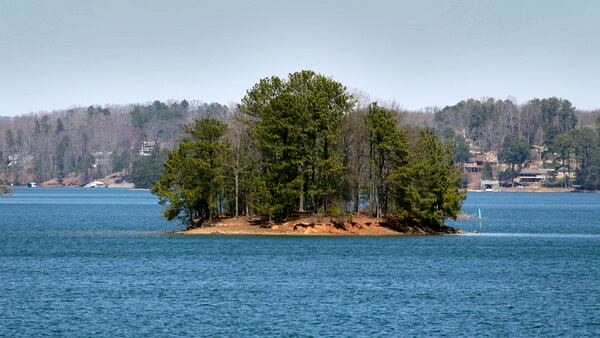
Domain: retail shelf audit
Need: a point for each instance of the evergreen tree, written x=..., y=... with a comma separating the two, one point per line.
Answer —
x=59, y=126
x=514, y=151
x=587, y=152
x=145, y=170
x=563, y=148
x=461, y=150
x=387, y=149
x=427, y=190
x=295, y=123
x=192, y=177
x=60, y=158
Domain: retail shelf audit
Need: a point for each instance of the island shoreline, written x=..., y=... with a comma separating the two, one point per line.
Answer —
x=307, y=226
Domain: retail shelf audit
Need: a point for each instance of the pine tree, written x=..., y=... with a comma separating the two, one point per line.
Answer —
x=296, y=124
x=427, y=189
x=387, y=149
x=514, y=151
x=192, y=177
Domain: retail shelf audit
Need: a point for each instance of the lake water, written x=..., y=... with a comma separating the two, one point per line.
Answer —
x=77, y=262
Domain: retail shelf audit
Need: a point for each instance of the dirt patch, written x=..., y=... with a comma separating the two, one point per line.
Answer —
x=301, y=225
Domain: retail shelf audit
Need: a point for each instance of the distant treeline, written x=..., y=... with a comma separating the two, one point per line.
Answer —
x=74, y=146
x=81, y=144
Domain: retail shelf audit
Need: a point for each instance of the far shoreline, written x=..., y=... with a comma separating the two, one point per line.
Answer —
x=539, y=190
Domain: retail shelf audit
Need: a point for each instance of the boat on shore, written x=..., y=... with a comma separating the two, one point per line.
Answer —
x=95, y=184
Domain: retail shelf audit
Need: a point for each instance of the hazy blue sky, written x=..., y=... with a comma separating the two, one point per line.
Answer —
x=57, y=54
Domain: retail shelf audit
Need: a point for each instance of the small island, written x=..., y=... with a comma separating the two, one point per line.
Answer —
x=299, y=156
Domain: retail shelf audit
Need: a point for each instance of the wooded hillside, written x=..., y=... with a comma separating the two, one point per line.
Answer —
x=78, y=145
x=566, y=140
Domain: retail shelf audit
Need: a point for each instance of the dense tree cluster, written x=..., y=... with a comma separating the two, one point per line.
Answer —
x=191, y=185
x=295, y=124
x=515, y=152
x=585, y=146
x=426, y=189
x=301, y=144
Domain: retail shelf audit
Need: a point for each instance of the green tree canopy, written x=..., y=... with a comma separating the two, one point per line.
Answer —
x=295, y=123
x=461, y=150
x=303, y=133
x=387, y=152
x=193, y=175
x=514, y=151
x=427, y=190
x=145, y=170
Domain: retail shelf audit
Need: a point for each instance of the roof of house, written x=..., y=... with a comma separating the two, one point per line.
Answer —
x=536, y=171
x=478, y=158
x=489, y=157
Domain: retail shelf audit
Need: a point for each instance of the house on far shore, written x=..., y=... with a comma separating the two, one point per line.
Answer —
x=476, y=163
x=562, y=173
x=534, y=176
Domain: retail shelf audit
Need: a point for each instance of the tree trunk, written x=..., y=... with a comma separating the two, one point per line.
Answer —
x=301, y=201
x=377, y=208
x=512, y=169
x=237, y=191
x=357, y=199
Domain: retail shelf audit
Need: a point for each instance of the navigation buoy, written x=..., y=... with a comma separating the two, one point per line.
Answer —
x=480, y=223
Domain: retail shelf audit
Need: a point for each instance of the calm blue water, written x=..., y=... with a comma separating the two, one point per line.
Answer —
x=77, y=262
